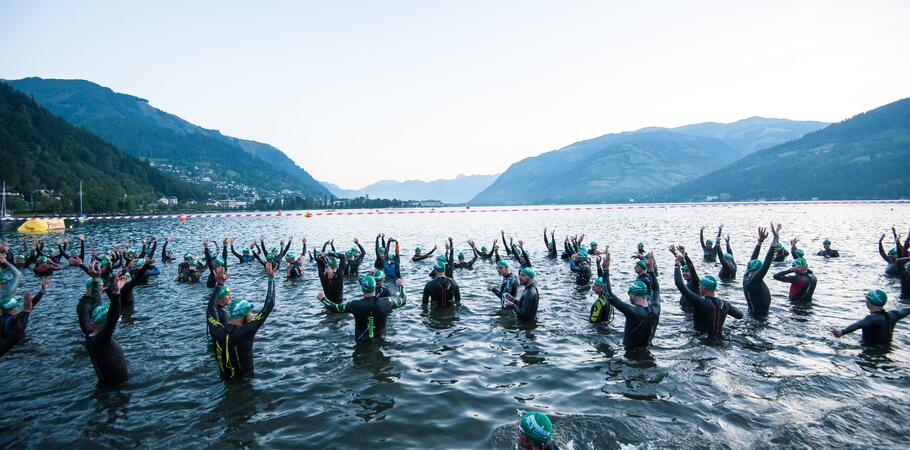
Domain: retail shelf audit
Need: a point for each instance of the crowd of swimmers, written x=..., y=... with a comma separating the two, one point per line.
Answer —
x=232, y=323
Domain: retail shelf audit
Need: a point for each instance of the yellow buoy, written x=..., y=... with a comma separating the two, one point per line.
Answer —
x=42, y=225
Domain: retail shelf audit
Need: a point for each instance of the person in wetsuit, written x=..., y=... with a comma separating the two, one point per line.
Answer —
x=14, y=319
x=295, y=266
x=903, y=274
x=167, y=255
x=484, y=254
x=140, y=270
x=582, y=268
x=802, y=281
x=44, y=267
x=509, y=284
x=727, y=263
x=462, y=263
x=354, y=259
x=330, y=267
x=601, y=310
x=535, y=432
x=708, y=311
x=796, y=253
x=105, y=352
x=758, y=297
x=441, y=291
x=371, y=313
x=878, y=326
x=827, y=251
x=525, y=307
x=420, y=256
x=233, y=342
x=642, y=273
x=246, y=256
x=9, y=277
x=391, y=261
x=218, y=261
x=689, y=273
x=707, y=246
x=133, y=277
x=550, y=242
x=890, y=257
x=780, y=253
x=190, y=270
x=643, y=310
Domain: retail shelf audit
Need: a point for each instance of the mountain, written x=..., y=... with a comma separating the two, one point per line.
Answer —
x=458, y=190
x=634, y=165
x=195, y=153
x=864, y=157
x=43, y=152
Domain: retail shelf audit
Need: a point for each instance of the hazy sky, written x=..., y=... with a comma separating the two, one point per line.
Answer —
x=356, y=92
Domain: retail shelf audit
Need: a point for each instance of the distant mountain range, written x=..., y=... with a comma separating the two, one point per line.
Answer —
x=44, y=155
x=194, y=153
x=458, y=190
x=865, y=157
x=635, y=165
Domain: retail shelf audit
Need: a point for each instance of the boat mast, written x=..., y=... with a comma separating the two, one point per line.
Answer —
x=3, y=207
x=80, y=199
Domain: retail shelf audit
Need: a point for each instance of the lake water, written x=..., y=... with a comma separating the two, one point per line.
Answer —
x=458, y=380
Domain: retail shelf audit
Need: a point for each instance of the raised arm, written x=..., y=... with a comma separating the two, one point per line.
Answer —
x=691, y=297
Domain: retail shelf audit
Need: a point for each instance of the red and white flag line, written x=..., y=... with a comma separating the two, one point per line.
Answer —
x=453, y=210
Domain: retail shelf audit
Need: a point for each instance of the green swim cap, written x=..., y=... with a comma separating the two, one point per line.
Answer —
x=502, y=263
x=536, y=427
x=245, y=250
x=99, y=314
x=349, y=254
x=105, y=261
x=754, y=265
x=379, y=275
x=127, y=275
x=641, y=263
x=877, y=297
x=582, y=253
x=440, y=266
x=460, y=255
x=90, y=282
x=728, y=256
x=779, y=246
x=641, y=244
x=42, y=259
x=188, y=256
x=441, y=258
x=683, y=267
x=892, y=252
x=333, y=262
x=826, y=241
x=381, y=250
x=483, y=248
x=368, y=283
x=709, y=242
x=599, y=282
x=800, y=262
x=638, y=288
x=417, y=249
x=799, y=253
x=355, y=251
x=289, y=257
x=140, y=262
x=527, y=271
x=276, y=250
x=9, y=304
x=269, y=257
x=593, y=244
x=239, y=308
x=708, y=282
x=224, y=292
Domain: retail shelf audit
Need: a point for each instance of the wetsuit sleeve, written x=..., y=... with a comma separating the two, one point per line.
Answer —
x=426, y=295
x=881, y=252
x=259, y=319
x=729, y=250
x=398, y=300
x=528, y=304
x=504, y=244
x=471, y=263
x=625, y=308
x=866, y=321
x=336, y=307
x=37, y=298
x=687, y=294
x=134, y=280
x=233, y=252
x=496, y=254
x=363, y=253
x=785, y=277
x=701, y=239
x=692, y=272
x=256, y=255
x=164, y=251
x=211, y=311
x=724, y=261
x=766, y=264
x=377, y=248
x=82, y=249
x=898, y=313
x=113, y=316
x=208, y=262
x=11, y=286
x=456, y=291
x=734, y=311
x=288, y=247
x=154, y=249
x=757, y=250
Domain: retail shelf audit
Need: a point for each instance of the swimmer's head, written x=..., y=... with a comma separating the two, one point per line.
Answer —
x=240, y=309
x=826, y=243
x=599, y=286
x=502, y=267
x=534, y=429
x=379, y=275
x=877, y=298
x=188, y=257
x=224, y=294
x=245, y=251
x=754, y=265
x=687, y=275
x=641, y=266
x=526, y=275
x=709, y=243
x=638, y=289
x=333, y=262
x=99, y=314
x=728, y=257
x=707, y=284
x=368, y=284
x=440, y=268
x=42, y=259
x=8, y=304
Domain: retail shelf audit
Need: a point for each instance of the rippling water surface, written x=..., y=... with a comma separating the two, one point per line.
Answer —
x=457, y=380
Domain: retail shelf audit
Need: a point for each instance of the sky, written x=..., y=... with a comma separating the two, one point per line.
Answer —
x=356, y=92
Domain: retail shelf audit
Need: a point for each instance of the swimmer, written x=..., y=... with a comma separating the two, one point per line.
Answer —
x=525, y=307
x=371, y=313
x=802, y=281
x=878, y=326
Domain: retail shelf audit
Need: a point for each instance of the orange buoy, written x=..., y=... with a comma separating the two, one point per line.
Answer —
x=182, y=218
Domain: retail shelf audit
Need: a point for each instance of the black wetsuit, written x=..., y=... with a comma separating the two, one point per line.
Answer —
x=878, y=326
x=891, y=270
x=210, y=283
x=85, y=306
x=295, y=269
x=165, y=255
x=106, y=354
x=691, y=283
x=353, y=267
x=550, y=243
x=904, y=277
x=486, y=255
x=758, y=297
x=641, y=321
x=441, y=292
x=831, y=253
x=423, y=256
x=12, y=329
x=248, y=257
x=189, y=273
x=333, y=288
x=582, y=272
x=781, y=254
x=127, y=299
x=727, y=266
x=708, y=313
x=526, y=307
x=467, y=264
x=509, y=286
x=371, y=314
x=233, y=344
x=802, y=286
x=710, y=252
